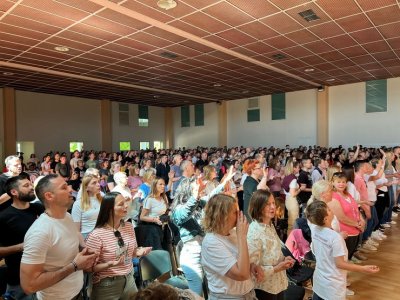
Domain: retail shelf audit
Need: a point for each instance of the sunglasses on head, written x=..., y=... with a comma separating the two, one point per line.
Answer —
x=117, y=234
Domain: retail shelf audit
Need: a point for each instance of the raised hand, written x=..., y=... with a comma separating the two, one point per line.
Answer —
x=241, y=226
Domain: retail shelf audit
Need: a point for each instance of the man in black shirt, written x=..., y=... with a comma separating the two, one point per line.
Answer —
x=162, y=169
x=305, y=181
x=15, y=221
x=14, y=168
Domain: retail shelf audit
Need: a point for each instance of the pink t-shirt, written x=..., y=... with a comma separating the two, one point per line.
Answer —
x=350, y=209
x=104, y=241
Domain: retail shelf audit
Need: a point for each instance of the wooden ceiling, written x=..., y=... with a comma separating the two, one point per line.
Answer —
x=201, y=51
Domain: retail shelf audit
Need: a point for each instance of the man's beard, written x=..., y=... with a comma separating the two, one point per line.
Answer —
x=26, y=197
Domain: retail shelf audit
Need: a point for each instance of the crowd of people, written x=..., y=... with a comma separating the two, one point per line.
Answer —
x=67, y=221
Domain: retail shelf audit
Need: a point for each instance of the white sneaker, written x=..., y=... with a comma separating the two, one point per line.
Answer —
x=349, y=292
x=393, y=222
x=369, y=247
x=386, y=225
x=394, y=215
x=382, y=235
x=375, y=235
x=371, y=242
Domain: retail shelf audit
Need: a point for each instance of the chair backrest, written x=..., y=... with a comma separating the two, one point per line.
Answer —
x=154, y=265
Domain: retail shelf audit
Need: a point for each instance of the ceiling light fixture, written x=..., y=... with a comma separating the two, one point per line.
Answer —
x=308, y=70
x=330, y=79
x=8, y=73
x=217, y=84
x=166, y=4
x=61, y=49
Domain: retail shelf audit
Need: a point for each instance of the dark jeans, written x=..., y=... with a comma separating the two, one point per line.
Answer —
x=381, y=204
x=316, y=297
x=352, y=244
x=262, y=295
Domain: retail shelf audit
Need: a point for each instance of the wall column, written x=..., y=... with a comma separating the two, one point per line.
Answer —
x=169, y=128
x=10, y=121
x=106, y=125
x=323, y=118
x=222, y=124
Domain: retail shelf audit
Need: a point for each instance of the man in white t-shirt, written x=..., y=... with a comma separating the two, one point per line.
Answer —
x=51, y=264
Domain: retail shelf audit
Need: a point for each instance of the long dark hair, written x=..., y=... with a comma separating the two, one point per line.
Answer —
x=106, y=209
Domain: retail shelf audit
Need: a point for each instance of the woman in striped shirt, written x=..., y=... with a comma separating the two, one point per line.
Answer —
x=115, y=242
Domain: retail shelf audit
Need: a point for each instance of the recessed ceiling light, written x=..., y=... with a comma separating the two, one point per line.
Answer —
x=245, y=92
x=166, y=4
x=330, y=79
x=8, y=73
x=309, y=70
x=217, y=84
x=156, y=96
x=61, y=48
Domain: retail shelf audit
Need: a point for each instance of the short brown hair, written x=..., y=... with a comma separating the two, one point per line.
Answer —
x=216, y=212
x=316, y=212
x=258, y=201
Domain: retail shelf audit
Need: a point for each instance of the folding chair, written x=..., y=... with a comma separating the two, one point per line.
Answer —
x=157, y=266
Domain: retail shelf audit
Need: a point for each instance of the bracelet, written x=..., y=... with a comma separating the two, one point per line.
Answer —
x=75, y=265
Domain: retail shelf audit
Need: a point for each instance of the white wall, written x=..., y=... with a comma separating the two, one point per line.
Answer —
x=194, y=136
x=299, y=127
x=349, y=124
x=135, y=134
x=52, y=121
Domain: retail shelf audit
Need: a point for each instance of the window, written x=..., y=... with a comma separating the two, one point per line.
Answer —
x=143, y=115
x=144, y=145
x=185, y=116
x=253, y=110
x=278, y=106
x=376, y=96
x=75, y=146
x=158, y=145
x=199, y=115
x=124, y=146
x=123, y=114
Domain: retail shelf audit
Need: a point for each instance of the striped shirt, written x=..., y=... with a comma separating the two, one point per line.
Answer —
x=104, y=241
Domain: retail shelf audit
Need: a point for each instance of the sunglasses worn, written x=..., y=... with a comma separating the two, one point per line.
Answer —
x=117, y=234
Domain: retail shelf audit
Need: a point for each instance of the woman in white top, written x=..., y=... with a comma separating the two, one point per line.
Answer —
x=86, y=209
x=265, y=247
x=224, y=252
x=154, y=215
x=291, y=189
x=329, y=281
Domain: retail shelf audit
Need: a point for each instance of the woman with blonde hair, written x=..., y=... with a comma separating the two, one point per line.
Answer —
x=225, y=256
x=210, y=178
x=291, y=189
x=86, y=209
x=330, y=171
x=115, y=168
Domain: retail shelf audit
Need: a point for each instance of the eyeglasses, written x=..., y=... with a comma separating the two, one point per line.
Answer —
x=117, y=234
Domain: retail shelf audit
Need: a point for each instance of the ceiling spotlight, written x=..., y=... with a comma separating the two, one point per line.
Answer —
x=156, y=96
x=245, y=92
x=61, y=48
x=217, y=84
x=330, y=80
x=309, y=70
x=166, y=4
x=320, y=88
x=8, y=73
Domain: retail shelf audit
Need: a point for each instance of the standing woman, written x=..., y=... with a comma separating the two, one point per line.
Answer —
x=265, y=247
x=255, y=172
x=274, y=177
x=224, y=253
x=86, y=210
x=116, y=245
x=155, y=206
x=115, y=168
x=291, y=189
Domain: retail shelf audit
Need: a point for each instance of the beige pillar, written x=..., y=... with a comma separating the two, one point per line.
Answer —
x=222, y=124
x=106, y=126
x=10, y=121
x=323, y=118
x=169, y=128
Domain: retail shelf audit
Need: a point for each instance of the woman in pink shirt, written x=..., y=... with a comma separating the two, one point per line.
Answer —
x=345, y=208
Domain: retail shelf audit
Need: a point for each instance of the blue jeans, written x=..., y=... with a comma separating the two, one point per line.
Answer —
x=371, y=223
x=190, y=262
x=388, y=213
x=18, y=293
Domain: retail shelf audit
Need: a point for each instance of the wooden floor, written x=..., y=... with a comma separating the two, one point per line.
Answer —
x=384, y=285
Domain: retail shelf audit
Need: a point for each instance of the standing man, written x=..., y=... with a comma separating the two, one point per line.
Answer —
x=319, y=172
x=15, y=221
x=63, y=168
x=305, y=182
x=177, y=173
x=14, y=168
x=162, y=169
x=51, y=264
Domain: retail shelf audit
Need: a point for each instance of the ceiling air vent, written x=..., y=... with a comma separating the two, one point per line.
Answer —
x=169, y=55
x=278, y=56
x=309, y=15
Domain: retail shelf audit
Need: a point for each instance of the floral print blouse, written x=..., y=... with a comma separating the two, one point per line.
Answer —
x=265, y=251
